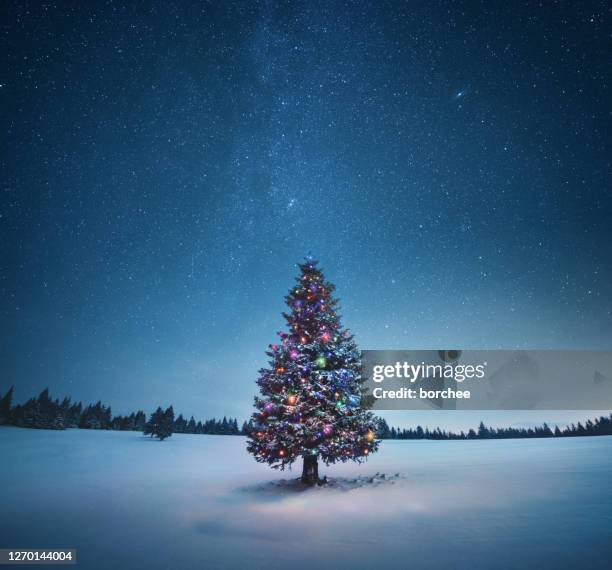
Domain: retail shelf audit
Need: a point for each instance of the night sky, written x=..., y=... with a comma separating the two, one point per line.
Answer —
x=165, y=168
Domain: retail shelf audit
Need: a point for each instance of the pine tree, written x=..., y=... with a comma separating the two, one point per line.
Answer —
x=167, y=427
x=107, y=416
x=180, y=424
x=483, y=432
x=310, y=404
x=382, y=429
x=152, y=426
x=5, y=406
x=161, y=424
x=140, y=420
x=191, y=425
x=43, y=410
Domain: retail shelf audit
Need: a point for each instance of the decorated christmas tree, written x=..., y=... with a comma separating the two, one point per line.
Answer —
x=310, y=404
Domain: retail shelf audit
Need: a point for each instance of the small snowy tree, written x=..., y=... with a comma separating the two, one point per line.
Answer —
x=151, y=425
x=167, y=424
x=191, y=425
x=310, y=404
x=161, y=424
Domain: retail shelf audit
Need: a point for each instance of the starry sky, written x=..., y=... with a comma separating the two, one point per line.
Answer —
x=166, y=165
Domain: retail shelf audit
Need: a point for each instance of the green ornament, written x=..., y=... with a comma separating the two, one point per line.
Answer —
x=320, y=362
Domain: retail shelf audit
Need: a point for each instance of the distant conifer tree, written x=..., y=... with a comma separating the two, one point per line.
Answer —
x=161, y=424
x=5, y=406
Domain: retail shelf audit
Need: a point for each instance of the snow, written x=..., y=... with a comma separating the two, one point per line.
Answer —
x=194, y=501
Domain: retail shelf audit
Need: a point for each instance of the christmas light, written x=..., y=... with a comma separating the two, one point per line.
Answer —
x=292, y=399
x=321, y=362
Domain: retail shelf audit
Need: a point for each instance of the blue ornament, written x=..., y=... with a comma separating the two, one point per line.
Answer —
x=353, y=401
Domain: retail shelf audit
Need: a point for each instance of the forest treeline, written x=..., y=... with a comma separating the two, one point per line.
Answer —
x=43, y=412
x=599, y=426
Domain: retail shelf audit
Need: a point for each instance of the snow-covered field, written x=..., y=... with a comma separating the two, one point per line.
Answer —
x=125, y=501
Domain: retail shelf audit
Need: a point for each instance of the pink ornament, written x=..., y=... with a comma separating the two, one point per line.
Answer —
x=328, y=429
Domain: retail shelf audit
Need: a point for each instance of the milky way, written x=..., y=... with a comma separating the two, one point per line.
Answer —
x=164, y=169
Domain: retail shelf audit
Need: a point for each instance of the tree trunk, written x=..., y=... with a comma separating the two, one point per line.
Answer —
x=310, y=471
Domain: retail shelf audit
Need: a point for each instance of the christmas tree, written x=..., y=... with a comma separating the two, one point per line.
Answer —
x=310, y=404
